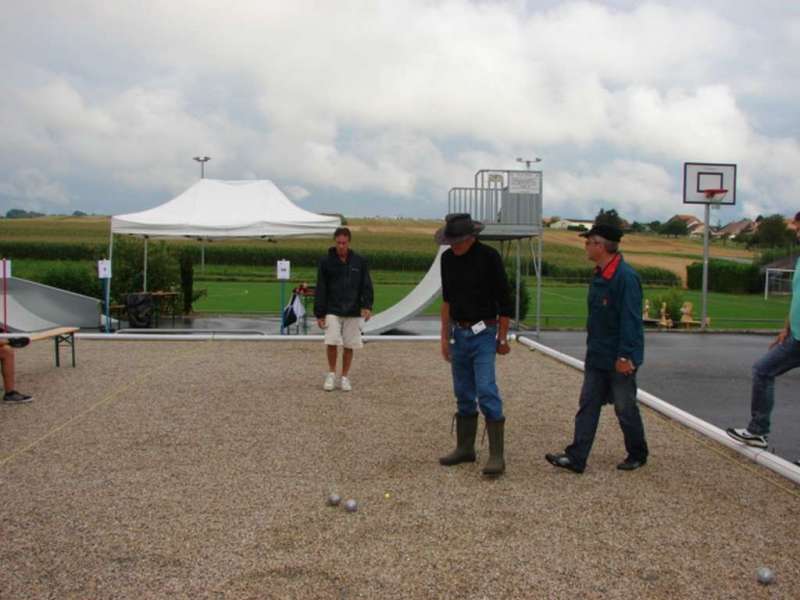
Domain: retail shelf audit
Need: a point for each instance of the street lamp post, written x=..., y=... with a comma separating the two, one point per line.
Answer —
x=202, y=160
x=529, y=161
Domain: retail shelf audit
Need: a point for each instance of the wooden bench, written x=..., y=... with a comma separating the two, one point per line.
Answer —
x=59, y=335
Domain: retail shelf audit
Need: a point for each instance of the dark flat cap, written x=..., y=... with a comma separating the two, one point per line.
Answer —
x=607, y=232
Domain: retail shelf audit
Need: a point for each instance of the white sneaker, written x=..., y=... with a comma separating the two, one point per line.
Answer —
x=330, y=382
x=751, y=439
x=345, y=384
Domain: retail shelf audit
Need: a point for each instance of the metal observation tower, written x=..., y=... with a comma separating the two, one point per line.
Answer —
x=509, y=203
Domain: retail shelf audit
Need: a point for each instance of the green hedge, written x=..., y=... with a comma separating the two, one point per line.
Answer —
x=74, y=277
x=649, y=275
x=726, y=276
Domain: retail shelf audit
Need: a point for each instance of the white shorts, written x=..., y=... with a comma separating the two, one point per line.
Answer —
x=343, y=331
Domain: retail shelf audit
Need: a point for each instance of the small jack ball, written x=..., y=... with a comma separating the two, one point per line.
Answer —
x=765, y=575
x=334, y=499
x=351, y=506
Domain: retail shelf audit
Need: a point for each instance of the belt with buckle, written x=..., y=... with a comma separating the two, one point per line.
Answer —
x=468, y=324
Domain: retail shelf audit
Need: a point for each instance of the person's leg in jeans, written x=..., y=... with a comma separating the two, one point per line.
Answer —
x=461, y=365
x=777, y=361
x=484, y=348
x=593, y=394
x=623, y=391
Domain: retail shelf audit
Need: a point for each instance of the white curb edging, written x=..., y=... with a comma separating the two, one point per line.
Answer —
x=763, y=457
x=238, y=337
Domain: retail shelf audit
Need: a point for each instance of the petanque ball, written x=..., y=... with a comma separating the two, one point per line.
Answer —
x=351, y=506
x=765, y=575
x=334, y=499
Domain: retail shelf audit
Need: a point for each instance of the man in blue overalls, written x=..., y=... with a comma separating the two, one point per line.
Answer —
x=614, y=352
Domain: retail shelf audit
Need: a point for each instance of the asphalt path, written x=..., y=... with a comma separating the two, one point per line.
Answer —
x=709, y=376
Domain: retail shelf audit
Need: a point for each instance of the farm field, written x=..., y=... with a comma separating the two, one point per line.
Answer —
x=375, y=234
x=245, y=289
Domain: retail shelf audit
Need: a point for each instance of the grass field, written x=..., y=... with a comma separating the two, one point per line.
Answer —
x=562, y=306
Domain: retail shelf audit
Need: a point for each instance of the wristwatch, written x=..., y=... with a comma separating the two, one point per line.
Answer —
x=503, y=342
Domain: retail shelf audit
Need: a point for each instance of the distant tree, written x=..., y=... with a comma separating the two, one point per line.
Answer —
x=654, y=226
x=18, y=213
x=608, y=217
x=674, y=227
x=637, y=227
x=773, y=233
x=79, y=213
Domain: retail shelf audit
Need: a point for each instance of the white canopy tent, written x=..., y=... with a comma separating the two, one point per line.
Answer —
x=213, y=209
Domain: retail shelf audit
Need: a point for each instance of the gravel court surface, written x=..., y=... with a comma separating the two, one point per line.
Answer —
x=201, y=469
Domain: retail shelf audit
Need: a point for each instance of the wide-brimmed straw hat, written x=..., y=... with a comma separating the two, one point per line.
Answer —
x=458, y=227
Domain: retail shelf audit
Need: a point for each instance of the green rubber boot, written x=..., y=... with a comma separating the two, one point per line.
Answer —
x=496, y=465
x=466, y=428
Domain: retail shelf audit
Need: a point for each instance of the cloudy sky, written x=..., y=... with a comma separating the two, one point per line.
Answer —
x=379, y=107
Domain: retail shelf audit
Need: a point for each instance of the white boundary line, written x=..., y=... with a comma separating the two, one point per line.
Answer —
x=763, y=457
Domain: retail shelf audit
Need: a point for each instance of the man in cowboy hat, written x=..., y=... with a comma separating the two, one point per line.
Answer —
x=614, y=351
x=476, y=307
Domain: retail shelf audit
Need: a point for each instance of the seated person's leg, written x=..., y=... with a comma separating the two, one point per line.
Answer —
x=7, y=365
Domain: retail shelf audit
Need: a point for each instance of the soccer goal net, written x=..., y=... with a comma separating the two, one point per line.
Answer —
x=778, y=282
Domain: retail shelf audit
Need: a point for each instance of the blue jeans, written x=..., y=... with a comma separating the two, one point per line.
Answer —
x=607, y=387
x=776, y=361
x=472, y=359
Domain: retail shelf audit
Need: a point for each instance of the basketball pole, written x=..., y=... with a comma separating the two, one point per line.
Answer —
x=705, y=267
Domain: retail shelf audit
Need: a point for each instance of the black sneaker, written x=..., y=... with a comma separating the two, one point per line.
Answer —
x=19, y=342
x=744, y=436
x=630, y=464
x=563, y=461
x=14, y=397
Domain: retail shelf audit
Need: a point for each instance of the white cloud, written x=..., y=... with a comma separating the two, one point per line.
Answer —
x=33, y=189
x=404, y=99
x=296, y=192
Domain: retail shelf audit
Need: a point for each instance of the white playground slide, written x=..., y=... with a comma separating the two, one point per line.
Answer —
x=33, y=306
x=413, y=304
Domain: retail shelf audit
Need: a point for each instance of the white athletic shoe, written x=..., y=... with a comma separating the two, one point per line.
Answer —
x=330, y=382
x=751, y=439
x=345, y=384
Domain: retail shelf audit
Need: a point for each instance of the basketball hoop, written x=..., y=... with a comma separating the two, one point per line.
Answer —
x=715, y=197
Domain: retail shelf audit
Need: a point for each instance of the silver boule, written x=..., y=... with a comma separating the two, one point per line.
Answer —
x=351, y=506
x=765, y=575
x=334, y=499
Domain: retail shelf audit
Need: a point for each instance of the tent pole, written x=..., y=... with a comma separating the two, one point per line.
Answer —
x=108, y=281
x=145, y=265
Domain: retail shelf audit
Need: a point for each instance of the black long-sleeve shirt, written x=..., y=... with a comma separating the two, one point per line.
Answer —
x=343, y=287
x=475, y=284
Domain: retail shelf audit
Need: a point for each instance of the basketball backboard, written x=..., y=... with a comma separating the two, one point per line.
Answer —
x=698, y=178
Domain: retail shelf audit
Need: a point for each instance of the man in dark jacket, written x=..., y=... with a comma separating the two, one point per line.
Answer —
x=614, y=351
x=343, y=297
x=476, y=306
